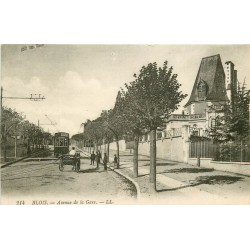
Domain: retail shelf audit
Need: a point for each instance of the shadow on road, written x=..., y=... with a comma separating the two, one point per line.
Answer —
x=189, y=170
x=34, y=176
x=216, y=179
x=209, y=180
x=91, y=170
x=161, y=164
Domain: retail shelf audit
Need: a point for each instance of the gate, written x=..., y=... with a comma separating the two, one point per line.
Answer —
x=202, y=149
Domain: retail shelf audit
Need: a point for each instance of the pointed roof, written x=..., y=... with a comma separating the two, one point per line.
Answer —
x=211, y=72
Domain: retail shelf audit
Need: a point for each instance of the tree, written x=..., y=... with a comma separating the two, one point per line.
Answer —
x=135, y=125
x=239, y=119
x=107, y=133
x=114, y=120
x=25, y=131
x=233, y=123
x=93, y=130
x=154, y=94
x=10, y=119
x=79, y=139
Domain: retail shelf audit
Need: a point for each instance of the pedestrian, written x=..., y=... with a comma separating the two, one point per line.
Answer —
x=100, y=156
x=98, y=159
x=92, y=158
x=105, y=161
x=72, y=152
x=115, y=161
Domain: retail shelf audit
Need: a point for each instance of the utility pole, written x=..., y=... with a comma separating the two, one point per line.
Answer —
x=47, y=124
x=33, y=97
x=1, y=98
x=38, y=135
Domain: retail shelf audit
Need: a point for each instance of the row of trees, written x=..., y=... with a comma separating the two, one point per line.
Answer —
x=140, y=108
x=13, y=124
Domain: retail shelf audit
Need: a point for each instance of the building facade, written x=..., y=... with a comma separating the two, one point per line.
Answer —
x=212, y=89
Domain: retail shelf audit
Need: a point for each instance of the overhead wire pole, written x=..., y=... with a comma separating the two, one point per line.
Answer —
x=1, y=99
x=33, y=97
x=52, y=123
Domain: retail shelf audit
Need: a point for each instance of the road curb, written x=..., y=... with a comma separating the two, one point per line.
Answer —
x=138, y=191
x=21, y=159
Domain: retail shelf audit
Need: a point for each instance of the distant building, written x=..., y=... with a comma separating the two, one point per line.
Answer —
x=209, y=93
x=209, y=86
x=212, y=89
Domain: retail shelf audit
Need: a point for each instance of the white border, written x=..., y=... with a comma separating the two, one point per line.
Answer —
x=133, y=22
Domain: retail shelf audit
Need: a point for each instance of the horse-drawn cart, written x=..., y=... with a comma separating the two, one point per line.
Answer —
x=67, y=159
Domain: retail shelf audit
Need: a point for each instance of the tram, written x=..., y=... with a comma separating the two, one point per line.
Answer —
x=61, y=143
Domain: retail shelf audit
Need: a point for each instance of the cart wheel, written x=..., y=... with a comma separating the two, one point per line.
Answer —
x=61, y=165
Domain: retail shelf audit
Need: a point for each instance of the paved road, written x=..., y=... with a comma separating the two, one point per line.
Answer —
x=35, y=181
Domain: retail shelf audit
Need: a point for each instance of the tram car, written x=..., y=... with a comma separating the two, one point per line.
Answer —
x=61, y=143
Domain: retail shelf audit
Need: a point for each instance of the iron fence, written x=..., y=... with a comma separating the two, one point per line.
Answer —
x=230, y=152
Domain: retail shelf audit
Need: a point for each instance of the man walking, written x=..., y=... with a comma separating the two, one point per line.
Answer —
x=92, y=158
x=105, y=161
x=98, y=159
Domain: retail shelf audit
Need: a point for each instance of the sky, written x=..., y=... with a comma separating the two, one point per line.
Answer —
x=79, y=81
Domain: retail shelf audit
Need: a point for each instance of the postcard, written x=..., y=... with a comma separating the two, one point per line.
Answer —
x=125, y=124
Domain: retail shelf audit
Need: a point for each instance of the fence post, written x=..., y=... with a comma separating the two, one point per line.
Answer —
x=198, y=153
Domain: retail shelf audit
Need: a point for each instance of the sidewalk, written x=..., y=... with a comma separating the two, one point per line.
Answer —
x=169, y=190
x=180, y=183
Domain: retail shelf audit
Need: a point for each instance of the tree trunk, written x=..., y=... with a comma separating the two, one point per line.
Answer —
x=28, y=146
x=135, y=156
x=4, y=149
x=15, y=146
x=152, y=174
x=117, y=152
x=96, y=146
x=108, y=151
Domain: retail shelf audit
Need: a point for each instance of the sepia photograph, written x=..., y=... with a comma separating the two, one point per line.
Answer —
x=125, y=124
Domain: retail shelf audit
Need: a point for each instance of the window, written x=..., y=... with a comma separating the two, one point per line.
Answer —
x=213, y=123
x=202, y=90
x=216, y=122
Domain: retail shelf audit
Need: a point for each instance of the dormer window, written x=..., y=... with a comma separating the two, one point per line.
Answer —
x=202, y=90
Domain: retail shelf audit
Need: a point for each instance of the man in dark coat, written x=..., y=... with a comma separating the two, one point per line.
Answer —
x=92, y=158
x=105, y=161
x=98, y=159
